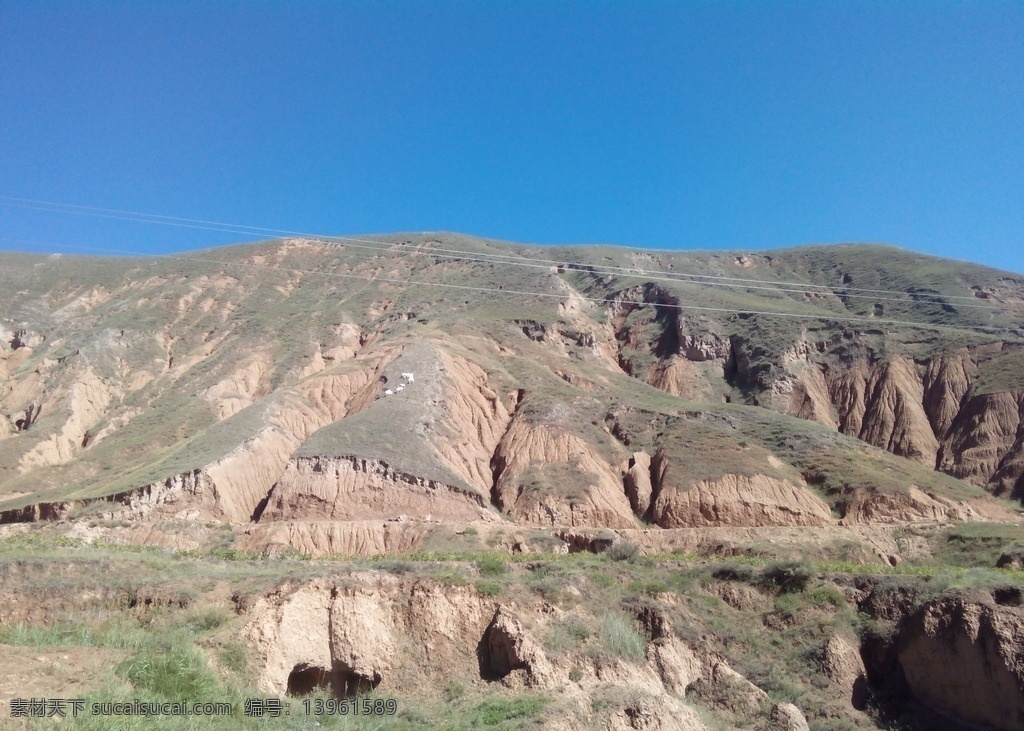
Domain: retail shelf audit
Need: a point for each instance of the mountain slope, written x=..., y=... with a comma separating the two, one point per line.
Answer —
x=292, y=387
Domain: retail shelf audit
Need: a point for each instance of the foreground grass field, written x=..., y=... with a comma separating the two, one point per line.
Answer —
x=168, y=623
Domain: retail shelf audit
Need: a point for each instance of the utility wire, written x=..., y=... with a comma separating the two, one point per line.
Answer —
x=551, y=295
x=514, y=259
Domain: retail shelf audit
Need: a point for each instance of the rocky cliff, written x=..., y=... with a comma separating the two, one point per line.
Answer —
x=410, y=636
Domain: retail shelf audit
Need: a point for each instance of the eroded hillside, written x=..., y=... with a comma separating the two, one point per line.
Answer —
x=309, y=391
x=263, y=416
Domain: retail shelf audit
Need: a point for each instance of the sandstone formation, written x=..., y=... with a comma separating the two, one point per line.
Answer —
x=966, y=658
x=739, y=500
x=370, y=631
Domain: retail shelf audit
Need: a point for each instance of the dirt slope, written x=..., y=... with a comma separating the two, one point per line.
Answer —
x=282, y=390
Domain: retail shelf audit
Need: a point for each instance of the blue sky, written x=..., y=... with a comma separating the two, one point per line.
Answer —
x=659, y=124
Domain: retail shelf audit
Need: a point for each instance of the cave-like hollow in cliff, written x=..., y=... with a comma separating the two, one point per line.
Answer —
x=341, y=681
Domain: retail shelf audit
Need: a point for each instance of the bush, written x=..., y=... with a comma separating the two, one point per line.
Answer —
x=827, y=596
x=179, y=672
x=233, y=657
x=567, y=635
x=787, y=576
x=622, y=551
x=198, y=622
x=496, y=711
x=650, y=587
x=734, y=572
x=488, y=588
x=453, y=691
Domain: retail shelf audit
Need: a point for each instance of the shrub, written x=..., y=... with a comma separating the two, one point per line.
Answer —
x=202, y=621
x=233, y=657
x=787, y=576
x=495, y=711
x=567, y=635
x=453, y=691
x=825, y=596
x=397, y=566
x=622, y=551
x=650, y=587
x=734, y=572
x=179, y=672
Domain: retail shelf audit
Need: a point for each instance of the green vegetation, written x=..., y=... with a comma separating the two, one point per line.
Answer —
x=153, y=608
x=170, y=620
x=622, y=551
x=620, y=638
x=166, y=310
x=1001, y=372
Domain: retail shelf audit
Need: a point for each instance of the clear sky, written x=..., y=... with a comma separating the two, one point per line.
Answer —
x=656, y=124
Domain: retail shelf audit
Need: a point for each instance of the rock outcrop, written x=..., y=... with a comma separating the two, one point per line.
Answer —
x=364, y=631
x=913, y=506
x=984, y=642
x=843, y=666
x=591, y=494
x=353, y=489
x=739, y=500
x=926, y=412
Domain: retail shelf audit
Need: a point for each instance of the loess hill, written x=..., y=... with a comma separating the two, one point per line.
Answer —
x=518, y=487
x=262, y=387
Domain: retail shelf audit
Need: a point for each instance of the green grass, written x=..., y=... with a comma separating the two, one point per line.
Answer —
x=491, y=565
x=1001, y=372
x=620, y=638
x=118, y=634
x=171, y=672
x=975, y=545
x=170, y=650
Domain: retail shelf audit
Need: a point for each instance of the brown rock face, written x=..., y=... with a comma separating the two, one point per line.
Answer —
x=331, y=537
x=594, y=495
x=947, y=380
x=915, y=506
x=843, y=666
x=348, y=488
x=637, y=482
x=922, y=412
x=513, y=655
x=894, y=417
x=370, y=630
x=967, y=658
x=787, y=717
x=809, y=398
x=984, y=443
x=740, y=500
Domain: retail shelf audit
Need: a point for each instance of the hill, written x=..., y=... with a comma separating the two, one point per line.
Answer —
x=438, y=393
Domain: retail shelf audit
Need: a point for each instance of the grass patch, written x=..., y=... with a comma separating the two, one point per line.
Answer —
x=491, y=565
x=620, y=638
x=975, y=545
x=170, y=672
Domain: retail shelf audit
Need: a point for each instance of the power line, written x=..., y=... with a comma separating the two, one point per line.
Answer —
x=513, y=260
x=551, y=295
